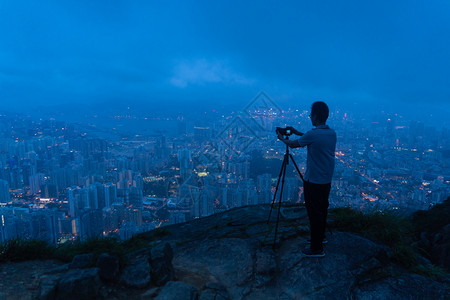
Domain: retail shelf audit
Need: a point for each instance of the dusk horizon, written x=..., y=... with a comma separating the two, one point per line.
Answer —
x=353, y=56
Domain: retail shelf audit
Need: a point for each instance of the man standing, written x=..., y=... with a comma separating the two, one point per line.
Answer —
x=321, y=144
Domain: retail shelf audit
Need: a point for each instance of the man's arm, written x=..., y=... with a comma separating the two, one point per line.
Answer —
x=294, y=131
x=290, y=143
x=305, y=140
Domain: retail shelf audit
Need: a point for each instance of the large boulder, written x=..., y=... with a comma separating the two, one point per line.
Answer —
x=81, y=261
x=48, y=284
x=79, y=284
x=352, y=266
x=214, y=291
x=440, y=249
x=137, y=273
x=330, y=277
x=161, y=264
x=228, y=260
x=109, y=267
x=405, y=286
x=177, y=290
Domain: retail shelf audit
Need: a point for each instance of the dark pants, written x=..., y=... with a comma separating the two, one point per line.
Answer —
x=316, y=200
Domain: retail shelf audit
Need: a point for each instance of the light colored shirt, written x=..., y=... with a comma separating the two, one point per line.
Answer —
x=321, y=144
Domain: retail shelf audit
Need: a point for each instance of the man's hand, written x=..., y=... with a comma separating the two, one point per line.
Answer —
x=294, y=131
x=290, y=143
x=280, y=136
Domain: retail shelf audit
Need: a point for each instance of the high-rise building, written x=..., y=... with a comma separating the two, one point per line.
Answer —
x=101, y=195
x=36, y=182
x=93, y=196
x=110, y=194
x=91, y=224
x=78, y=199
x=136, y=197
x=184, y=158
x=5, y=196
x=133, y=215
x=264, y=182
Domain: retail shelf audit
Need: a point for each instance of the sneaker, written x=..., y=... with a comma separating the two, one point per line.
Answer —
x=325, y=241
x=310, y=253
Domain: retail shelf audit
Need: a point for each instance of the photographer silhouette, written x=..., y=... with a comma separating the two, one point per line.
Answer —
x=321, y=145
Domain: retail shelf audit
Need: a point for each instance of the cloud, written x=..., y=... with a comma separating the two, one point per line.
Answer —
x=203, y=71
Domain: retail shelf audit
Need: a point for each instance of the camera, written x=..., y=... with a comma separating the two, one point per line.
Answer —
x=284, y=131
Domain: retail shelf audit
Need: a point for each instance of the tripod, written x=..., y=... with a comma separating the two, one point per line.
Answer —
x=287, y=155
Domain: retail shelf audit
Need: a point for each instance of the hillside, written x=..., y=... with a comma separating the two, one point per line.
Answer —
x=231, y=256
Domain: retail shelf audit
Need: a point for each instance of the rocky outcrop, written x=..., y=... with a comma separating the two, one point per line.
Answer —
x=81, y=261
x=440, y=250
x=161, y=264
x=78, y=284
x=137, y=274
x=108, y=266
x=177, y=290
x=432, y=228
x=232, y=255
x=438, y=246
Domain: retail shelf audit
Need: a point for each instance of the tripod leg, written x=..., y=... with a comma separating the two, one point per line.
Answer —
x=299, y=173
x=283, y=166
x=279, y=202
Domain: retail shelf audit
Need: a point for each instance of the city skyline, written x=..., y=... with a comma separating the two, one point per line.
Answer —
x=62, y=181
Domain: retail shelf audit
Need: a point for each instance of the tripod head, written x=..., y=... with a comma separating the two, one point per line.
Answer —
x=286, y=132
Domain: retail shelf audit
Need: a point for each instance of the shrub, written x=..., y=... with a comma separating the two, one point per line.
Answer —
x=432, y=220
x=21, y=250
x=384, y=227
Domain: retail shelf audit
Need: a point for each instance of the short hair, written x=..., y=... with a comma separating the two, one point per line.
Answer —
x=320, y=109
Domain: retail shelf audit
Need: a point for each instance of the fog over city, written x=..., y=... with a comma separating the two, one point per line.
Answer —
x=118, y=117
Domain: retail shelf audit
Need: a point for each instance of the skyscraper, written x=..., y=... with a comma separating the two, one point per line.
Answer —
x=4, y=192
x=184, y=158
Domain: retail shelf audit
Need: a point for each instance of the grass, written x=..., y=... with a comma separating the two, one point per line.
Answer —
x=20, y=250
x=432, y=220
x=434, y=272
x=383, y=227
x=16, y=250
x=97, y=246
x=390, y=229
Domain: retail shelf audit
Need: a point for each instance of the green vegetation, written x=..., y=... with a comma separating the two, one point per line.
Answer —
x=21, y=250
x=432, y=271
x=433, y=220
x=383, y=227
x=393, y=230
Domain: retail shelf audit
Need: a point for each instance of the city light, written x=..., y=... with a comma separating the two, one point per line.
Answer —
x=135, y=182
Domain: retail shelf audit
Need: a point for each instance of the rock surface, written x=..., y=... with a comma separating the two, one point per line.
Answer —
x=161, y=264
x=231, y=256
x=81, y=261
x=79, y=284
x=440, y=249
x=137, y=274
x=177, y=290
x=214, y=291
x=108, y=267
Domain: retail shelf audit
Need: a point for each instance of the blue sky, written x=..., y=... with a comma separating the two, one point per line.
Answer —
x=382, y=54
